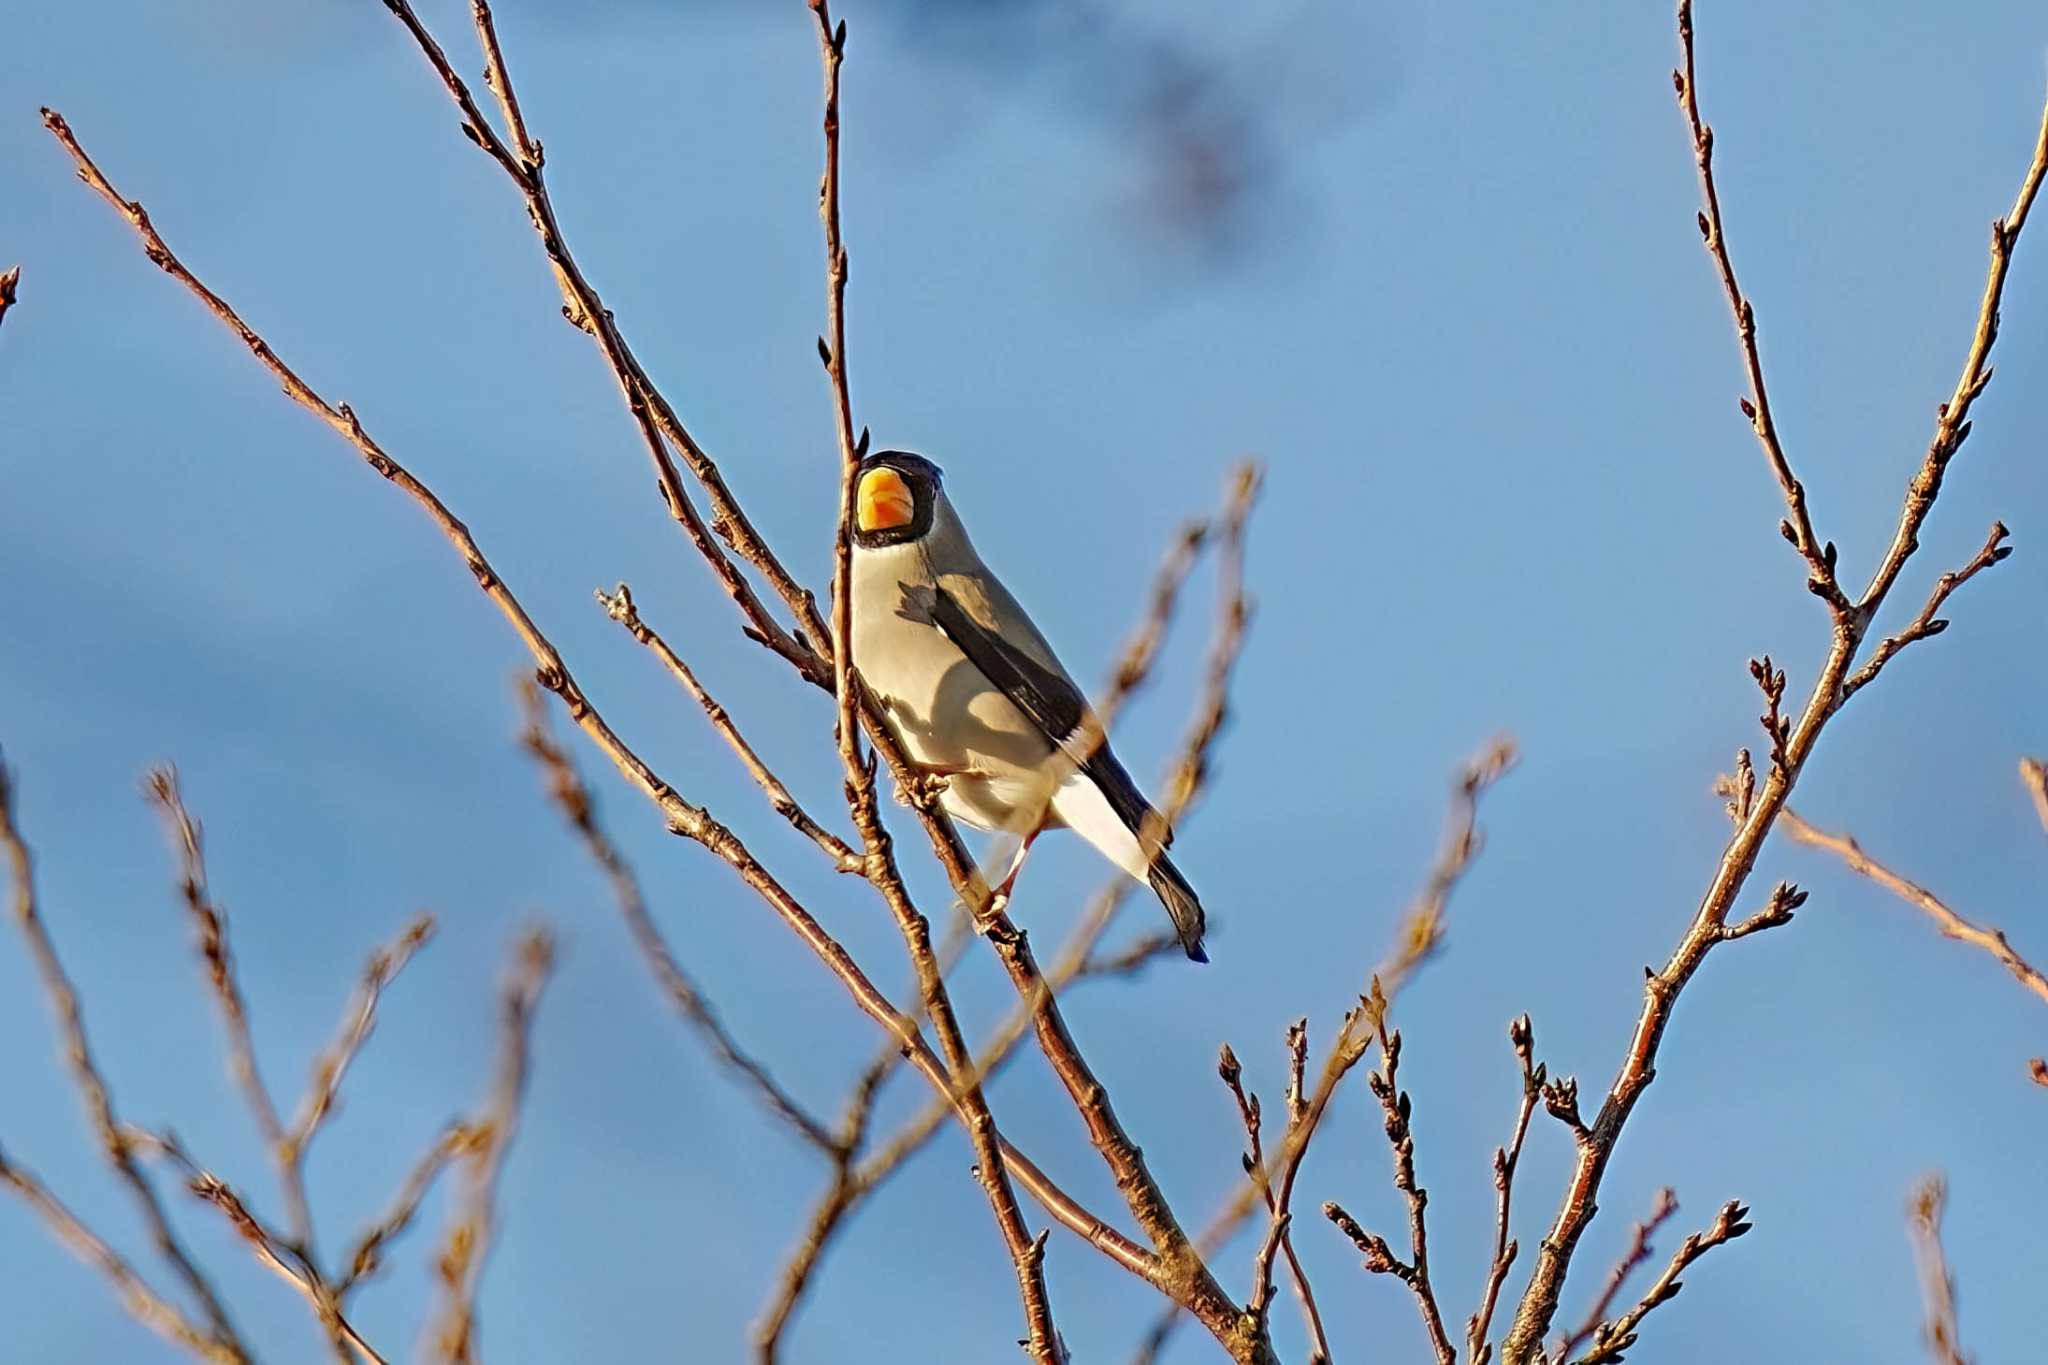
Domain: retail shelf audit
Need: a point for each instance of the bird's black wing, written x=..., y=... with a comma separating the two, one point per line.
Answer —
x=1049, y=700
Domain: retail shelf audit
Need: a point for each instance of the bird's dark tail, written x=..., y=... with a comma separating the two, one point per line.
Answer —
x=1181, y=903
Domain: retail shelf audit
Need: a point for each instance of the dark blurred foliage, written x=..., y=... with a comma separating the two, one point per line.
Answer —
x=1210, y=116
x=1213, y=109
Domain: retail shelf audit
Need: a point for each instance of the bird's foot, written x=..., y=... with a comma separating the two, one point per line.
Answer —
x=923, y=790
x=995, y=928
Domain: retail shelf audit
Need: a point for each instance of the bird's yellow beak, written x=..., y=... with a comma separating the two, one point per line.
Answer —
x=884, y=501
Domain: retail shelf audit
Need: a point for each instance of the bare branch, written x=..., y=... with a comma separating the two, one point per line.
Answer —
x=1798, y=525
x=1419, y=935
x=791, y=1282
x=1078, y=959
x=1951, y=924
x=854, y=1181
x=461, y=1264
x=1579, y=1204
x=1414, y=1272
x=578, y=807
x=652, y=415
x=1927, y=624
x=382, y=969
x=1027, y=1252
x=1178, y=1269
x=684, y=819
x=209, y=922
x=140, y=1301
x=1254, y=1160
x=1141, y=651
x=366, y=1255
x=620, y=607
x=273, y=1251
x=1777, y=725
x=1785, y=898
x=1561, y=1102
x=1937, y=1284
x=2034, y=773
x=1612, y=1338
x=223, y=1343
x=1522, y=1034
x=1952, y=425
x=1638, y=1252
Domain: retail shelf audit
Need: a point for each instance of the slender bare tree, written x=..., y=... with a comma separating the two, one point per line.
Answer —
x=1149, y=1237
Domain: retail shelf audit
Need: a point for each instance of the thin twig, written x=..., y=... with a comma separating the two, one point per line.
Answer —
x=1785, y=898
x=222, y=1341
x=684, y=819
x=1522, y=1035
x=1254, y=1161
x=1379, y=1258
x=1385, y=1085
x=1075, y=964
x=2034, y=773
x=1579, y=1204
x=1952, y=425
x=852, y=1184
x=461, y=1264
x=142, y=1302
x=1937, y=1283
x=652, y=415
x=209, y=922
x=366, y=1255
x=1951, y=924
x=1141, y=651
x=1177, y=1269
x=1927, y=624
x=1419, y=935
x=361, y=1019
x=1185, y=1278
x=620, y=607
x=1612, y=1338
x=1639, y=1250
x=272, y=1250
x=573, y=797
x=1798, y=525
x=1027, y=1252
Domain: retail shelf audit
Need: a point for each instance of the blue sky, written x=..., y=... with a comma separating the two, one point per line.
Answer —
x=1463, y=316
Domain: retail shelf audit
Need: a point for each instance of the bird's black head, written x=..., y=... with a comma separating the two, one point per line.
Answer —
x=895, y=499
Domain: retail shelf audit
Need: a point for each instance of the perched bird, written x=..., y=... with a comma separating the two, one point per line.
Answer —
x=976, y=696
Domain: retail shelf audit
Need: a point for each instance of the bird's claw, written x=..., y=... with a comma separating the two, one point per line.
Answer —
x=923, y=789
x=995, y=928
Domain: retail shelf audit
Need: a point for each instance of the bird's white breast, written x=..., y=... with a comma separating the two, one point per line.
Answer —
x=946, y=713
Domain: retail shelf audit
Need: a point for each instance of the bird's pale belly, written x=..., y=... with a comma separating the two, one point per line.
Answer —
x=952, y=723
x=985, y=788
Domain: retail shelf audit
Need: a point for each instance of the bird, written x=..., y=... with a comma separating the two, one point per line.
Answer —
x=976, y=697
